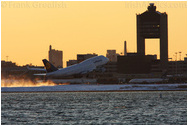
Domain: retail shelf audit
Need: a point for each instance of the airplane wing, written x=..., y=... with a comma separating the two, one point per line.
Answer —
x=36, y=69
x=41, y=74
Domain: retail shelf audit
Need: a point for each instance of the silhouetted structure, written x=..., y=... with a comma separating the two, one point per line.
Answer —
x=82, y=57
x=174, y=67
x=153, y=24
x=111, y=67
x=9, y=69
x=125, y=48
x=56, y=57
x=111, y=55
x=7, y=64
x=135, y=64
x=71, y=62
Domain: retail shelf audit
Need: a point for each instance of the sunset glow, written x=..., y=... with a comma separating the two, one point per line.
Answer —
x=28, y=28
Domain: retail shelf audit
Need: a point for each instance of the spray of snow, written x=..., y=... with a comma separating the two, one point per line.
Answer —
x=24, y=83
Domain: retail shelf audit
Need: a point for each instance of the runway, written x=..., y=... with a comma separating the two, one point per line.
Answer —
x=99, y=87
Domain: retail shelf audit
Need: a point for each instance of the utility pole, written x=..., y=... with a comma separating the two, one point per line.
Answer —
x=176, y=56
x=176, y=64
x=180, y=55
x=7, y=58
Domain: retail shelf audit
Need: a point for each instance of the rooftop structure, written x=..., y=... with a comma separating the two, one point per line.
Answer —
x=56, y=57
x=111, y=55
x=82, y=57
x=71, y=62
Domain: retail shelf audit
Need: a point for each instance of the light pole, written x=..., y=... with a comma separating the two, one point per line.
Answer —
x=176, y=64
x=180, y=55
x=7, y=58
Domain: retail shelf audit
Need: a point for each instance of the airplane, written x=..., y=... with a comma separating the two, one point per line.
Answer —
x=84, y=67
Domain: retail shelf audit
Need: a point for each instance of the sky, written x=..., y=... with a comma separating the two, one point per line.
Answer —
x=28, y=28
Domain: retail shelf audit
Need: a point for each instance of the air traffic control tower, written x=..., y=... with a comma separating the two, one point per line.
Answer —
x=150, y=25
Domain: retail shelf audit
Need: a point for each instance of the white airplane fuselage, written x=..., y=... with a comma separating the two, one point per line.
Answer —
x=80, y=68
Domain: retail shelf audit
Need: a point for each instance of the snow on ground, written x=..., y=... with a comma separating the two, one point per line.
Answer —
x=100, y=87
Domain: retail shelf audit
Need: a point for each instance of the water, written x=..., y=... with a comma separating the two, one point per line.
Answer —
x=120, y=108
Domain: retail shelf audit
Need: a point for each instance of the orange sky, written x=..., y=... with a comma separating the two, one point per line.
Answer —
x=28, y=28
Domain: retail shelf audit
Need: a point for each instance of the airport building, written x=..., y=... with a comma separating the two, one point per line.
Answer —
x=133, y=63
x=7, y=64
x=82, y=57
x=111, y=55
x=178, y=67
x=11, y=70
x=111, y=67
x=71, y=62
x=56, y=57
x=174, y=67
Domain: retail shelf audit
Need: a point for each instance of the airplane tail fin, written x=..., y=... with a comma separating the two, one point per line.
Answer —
x=49, y=67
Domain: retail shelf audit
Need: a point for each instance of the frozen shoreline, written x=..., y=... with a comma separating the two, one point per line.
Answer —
x=100, y=87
